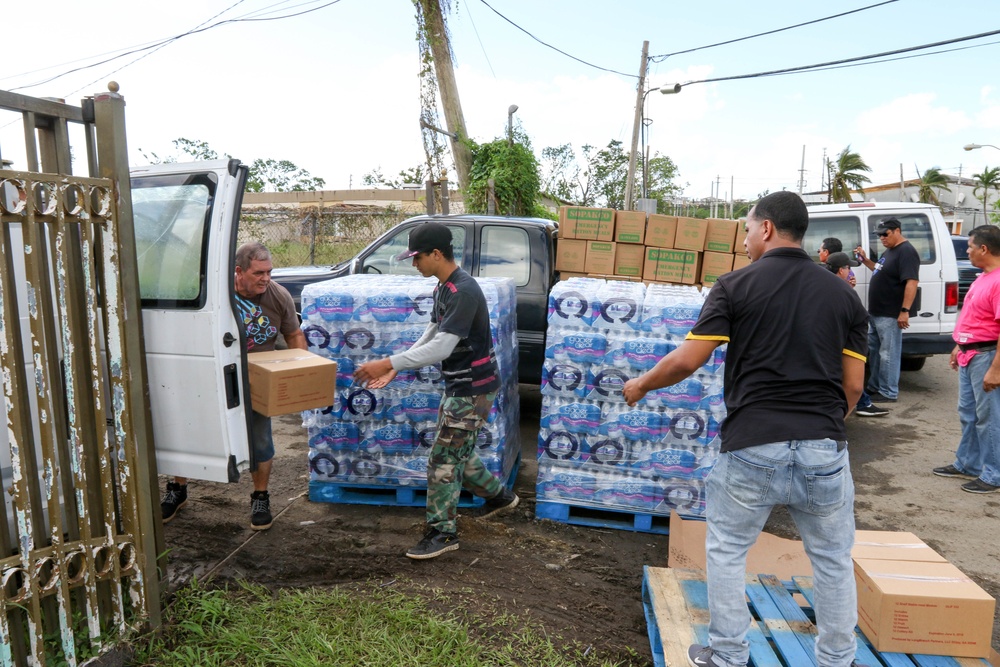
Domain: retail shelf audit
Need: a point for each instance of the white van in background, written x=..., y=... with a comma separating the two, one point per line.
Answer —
x=932, y=320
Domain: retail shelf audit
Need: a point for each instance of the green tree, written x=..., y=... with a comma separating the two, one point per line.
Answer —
x=845, y=175
x=660, y=183
x=988, y=179
x=413, y=175
x=609, y=173
x=560, y=171
x=931, y=181
x=513, y=168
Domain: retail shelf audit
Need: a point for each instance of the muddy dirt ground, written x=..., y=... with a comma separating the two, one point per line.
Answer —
x=580, y=583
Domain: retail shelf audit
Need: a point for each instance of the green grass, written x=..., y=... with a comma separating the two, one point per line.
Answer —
x=294, y=253
x=364, y=626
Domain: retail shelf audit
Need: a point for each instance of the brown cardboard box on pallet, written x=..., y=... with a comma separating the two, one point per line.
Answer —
x=629, y=260
x=741, y=236
x=739, y=261
x=672, y=266
x=713, y=265
x=691, y=234
x=922, y=607
x=661, y=230
x=571, y=255
x=590, y=224
x=630, y=226
x=600, y=257
x=720, y=235
x=287, y=381
x=886, y=545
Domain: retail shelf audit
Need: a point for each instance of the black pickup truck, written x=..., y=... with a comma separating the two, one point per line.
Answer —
x=523, y=249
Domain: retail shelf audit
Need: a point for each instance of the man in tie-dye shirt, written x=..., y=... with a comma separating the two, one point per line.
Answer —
x=265, y=308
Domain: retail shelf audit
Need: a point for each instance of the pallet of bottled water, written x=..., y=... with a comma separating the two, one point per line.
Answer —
x=594, y=451
x=372, y=445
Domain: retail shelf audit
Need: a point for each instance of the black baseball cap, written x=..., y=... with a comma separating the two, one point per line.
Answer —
x=886, y=225
x=427, y=237
x=838, y=260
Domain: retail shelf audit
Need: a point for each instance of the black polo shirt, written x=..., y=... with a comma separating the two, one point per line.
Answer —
x=788, y=322
x=893, y=269
x=460, y=308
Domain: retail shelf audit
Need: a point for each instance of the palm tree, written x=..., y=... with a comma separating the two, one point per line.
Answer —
x=988, y=180
x=931, y=180
x=845, y=175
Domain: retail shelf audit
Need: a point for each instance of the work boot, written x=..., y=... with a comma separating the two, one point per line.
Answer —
x=260, y=510
x=174, y=499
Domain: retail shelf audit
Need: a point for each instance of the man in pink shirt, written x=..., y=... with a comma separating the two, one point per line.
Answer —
x=978, y=365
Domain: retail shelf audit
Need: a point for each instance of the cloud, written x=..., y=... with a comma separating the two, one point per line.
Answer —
x=912, y=114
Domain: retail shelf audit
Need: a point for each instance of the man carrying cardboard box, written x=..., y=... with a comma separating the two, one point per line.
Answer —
x=266, y=308
x=784, y=441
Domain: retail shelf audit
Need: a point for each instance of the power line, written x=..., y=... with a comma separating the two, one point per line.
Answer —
x=769, y=32
x=832, y=63
x=479, y=39
x=603, y=69
x=164, y=42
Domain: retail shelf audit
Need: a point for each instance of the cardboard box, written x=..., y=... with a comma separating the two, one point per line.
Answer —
x=571, y=255
x=590, y=224
x=566, y=275
x=713, y=265
x=720, y=235
x=741, y=235
x=691, y=234
x=886, y=545
x=286, y=381
x=600, y=257
x=630, y=226
x=672, y=266
x=739, y=261
x=921, y=607
x=629, y=260
x=661, y=230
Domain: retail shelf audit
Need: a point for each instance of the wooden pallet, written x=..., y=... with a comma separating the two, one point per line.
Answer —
x=385, y=494
x=782, y=633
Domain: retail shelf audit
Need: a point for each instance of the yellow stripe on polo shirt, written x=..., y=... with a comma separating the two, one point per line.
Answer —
x=851, y=353
x=693, y=336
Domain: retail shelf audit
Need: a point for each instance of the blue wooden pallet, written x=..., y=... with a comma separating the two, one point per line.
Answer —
x=781, y=634
x=602, y=517
x=384, y=494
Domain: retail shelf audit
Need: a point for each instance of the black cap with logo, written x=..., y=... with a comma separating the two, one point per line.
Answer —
x=427, y=237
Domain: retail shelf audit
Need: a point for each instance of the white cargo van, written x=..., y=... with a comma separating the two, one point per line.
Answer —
x=933, y=319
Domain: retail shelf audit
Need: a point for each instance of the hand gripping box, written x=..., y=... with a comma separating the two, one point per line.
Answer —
x=286, y=381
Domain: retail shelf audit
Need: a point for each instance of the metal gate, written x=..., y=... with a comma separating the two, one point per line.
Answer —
x=79, y=535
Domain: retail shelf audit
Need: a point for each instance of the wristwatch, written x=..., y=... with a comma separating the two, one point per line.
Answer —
x=904, y=310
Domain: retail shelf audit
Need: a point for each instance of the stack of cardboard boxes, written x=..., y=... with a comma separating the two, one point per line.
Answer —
x=629, y=245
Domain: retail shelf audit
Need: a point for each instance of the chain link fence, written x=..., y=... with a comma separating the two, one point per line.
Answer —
x=315, y=235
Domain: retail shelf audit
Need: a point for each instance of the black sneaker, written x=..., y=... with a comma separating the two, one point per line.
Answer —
x=701, y=656
x=952, y=471
x=881, y=398
x=175, y=498
x=260, y=510
x=979, y=486
x=501, y=502
x=433, y=544
x=871, y=411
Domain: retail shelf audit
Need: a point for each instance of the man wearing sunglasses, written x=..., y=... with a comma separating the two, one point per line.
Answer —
x=891, y=293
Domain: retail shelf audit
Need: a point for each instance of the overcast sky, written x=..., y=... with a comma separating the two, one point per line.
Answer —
x=335, y=90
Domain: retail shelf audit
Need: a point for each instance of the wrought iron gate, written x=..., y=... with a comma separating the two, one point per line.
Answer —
x=79, y=534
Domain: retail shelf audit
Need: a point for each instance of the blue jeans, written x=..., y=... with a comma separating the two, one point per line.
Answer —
x=979, y=412
x=885, y=348
x=814, y=481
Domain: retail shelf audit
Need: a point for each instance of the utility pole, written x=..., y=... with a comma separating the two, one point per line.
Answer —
x=437, y=36
x=640, y=90
x=715, y=204
x=902, y=184
x=802, y=171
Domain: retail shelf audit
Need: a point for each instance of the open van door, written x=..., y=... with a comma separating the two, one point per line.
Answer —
x=186, y=218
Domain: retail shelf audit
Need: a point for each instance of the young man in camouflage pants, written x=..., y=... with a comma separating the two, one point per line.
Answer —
x=459, y=337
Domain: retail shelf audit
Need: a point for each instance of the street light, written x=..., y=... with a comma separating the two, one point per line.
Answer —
x=972, y=147
x=510, y=124
x=670, y=89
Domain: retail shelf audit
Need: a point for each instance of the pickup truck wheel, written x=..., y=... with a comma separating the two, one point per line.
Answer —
x=912, y=363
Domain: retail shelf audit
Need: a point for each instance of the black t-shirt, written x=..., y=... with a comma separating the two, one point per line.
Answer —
x=788, y=323
x=460, y=309
x=892, y=270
